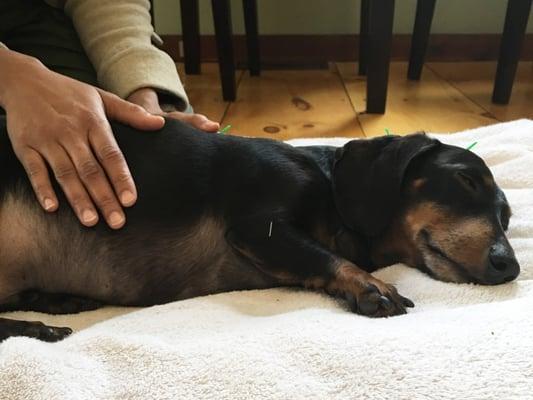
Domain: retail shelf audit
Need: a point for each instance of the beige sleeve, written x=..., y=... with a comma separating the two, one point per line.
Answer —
x=117, y=36
x=2, y=46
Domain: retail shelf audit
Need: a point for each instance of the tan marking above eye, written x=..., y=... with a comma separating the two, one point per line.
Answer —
x=418, y=183
x=489, y=181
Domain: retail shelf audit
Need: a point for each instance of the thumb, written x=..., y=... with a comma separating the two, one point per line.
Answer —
x=128, y=113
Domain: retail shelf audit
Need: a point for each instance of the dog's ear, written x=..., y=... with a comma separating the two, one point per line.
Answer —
x=367, y=179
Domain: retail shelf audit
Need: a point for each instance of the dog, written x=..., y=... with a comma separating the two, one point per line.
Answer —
x=217, y=213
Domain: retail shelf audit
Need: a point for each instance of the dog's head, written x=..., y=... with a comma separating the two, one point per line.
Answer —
x=427, y=204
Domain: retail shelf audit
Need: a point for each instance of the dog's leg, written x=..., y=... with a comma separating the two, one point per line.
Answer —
x=38, y=330
x=11, y=327
x=42, y=302
x=50, y=303
x=290, y=256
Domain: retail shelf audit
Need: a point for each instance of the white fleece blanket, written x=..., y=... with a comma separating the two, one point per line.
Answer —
x=459, y=342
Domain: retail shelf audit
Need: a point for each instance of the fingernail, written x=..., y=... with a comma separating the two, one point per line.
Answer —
x=209, y=125
x=89, y=216
x=116, y=218
x=48, y=204
x=127, y=198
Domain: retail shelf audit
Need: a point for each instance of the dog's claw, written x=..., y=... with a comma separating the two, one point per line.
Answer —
x=407, y=302
x=382, y=302
x=370, y=297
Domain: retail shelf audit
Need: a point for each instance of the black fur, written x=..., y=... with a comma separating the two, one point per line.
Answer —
x=214, y=213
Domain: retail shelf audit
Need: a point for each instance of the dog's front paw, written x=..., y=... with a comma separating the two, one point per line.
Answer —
x=44, y=332
x=369, y=296
x=374, y=302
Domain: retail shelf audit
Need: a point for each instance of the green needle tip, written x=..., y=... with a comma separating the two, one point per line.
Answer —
x=471, y=146
x=387, y=132
x=226, y=129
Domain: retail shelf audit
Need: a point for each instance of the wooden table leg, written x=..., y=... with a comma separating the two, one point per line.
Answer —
x=224, y=39
x=152, y=13
x=381, y=15
x=190, y=23
x=252, y=36
x=511, y=46
x=419, y=42
x=363, y=36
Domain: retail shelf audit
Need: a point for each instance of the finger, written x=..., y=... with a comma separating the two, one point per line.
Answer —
x=202, y=122
x=199, y=121
x=35, y=167
x=96, y=183
x=129, y=113
x=112, y=160
x=67, y=177
x=211, y=126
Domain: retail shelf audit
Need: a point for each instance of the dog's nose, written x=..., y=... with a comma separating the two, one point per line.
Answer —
x=503, y=266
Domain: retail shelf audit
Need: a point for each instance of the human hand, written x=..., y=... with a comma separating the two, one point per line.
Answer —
x=55, y=120
x=147, y=98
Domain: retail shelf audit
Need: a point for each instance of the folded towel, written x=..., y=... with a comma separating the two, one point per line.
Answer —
x=459, y=342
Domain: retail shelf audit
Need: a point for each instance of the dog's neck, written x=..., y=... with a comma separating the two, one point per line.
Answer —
x=391, y=247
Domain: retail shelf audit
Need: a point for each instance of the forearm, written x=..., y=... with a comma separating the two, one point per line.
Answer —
x=117, y=38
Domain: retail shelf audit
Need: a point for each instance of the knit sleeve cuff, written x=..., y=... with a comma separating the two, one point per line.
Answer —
x=143, y=68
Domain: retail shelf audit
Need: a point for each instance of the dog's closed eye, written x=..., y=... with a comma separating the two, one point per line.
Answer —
x=467, y=181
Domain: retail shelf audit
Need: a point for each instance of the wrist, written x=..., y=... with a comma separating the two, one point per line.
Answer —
x=14, y=65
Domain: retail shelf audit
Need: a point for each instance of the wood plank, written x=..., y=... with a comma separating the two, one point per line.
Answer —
x=476, y=80
x=431, y=104
x=290, y=104
x=204, y=91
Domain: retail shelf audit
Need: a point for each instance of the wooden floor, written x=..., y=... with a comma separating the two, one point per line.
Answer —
x=325, y=103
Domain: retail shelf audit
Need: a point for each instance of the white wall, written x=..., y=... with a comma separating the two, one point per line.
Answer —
x=341, y=16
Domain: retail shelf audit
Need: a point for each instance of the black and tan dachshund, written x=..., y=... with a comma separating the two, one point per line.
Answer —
x=218, y=213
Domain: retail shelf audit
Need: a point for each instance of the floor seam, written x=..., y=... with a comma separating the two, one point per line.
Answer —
x=449, y=82
x=229, y=103
x=356, y=114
